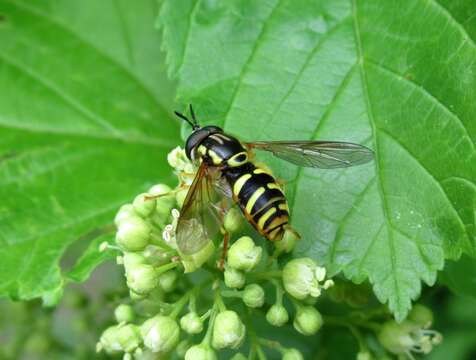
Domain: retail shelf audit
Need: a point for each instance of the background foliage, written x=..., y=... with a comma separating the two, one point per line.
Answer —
x=85, y=124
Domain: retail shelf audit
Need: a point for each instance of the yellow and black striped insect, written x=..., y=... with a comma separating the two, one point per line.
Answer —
x=227, y=171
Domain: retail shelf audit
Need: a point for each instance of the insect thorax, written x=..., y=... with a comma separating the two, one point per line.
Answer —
x=222, y=150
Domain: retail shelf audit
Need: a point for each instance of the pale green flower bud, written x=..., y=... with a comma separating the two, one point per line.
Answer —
x=396, y=337
x=178, y=159
x=135, y=296
x=119, y=338
x=302, y=277
x=292, y=354
x=277, y=315
x=144, y=206
x=159, y=189
x=168, y=281
x=191, y=323
x=142, y=278
x=364, y=355
x=288, y=242
x=161, y=334
x=195, y=261
x=164, y=203
x=125, y=212
x=407, y=336
x=253, y=296
x=233, y=220
x=124, y=313
x=421, y=316
x=244, y=254
x=144, y=354
x=234, y=279
x=180, y=197
x=239, y=356
x=155, y=255
x=130, y=260
x=228, y=330
x=308, y=320
x=200, y=352
x=133, y=234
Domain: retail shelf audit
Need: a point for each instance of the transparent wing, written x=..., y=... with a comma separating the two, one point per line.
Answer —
x=317, y=154
x=202, y=213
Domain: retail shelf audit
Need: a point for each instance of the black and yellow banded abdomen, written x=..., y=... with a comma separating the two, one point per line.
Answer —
x=260, y=198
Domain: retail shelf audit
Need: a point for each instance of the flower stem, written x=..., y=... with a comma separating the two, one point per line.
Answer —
x=219, y=301
x=167, y=267
x=266, y=275
x=231, y=294
x=279, y=292
x=348, y=321
x=271, y=344
x=208, y=335
x=191, y=294
x=178, y=306
x=254, y=341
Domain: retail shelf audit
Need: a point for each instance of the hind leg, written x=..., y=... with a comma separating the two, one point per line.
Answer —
x=226, y=240
x=285, y=242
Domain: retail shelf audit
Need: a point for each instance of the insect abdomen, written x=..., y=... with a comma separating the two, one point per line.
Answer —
x=261, y=200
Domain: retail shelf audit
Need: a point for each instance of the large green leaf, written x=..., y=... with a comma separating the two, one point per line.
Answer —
x=460, y=276
x=84, y=126
x=398, y=76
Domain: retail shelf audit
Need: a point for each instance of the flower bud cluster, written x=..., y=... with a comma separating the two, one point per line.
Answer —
x=169, y=309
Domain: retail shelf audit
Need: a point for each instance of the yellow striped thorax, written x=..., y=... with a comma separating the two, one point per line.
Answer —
x=221, y=150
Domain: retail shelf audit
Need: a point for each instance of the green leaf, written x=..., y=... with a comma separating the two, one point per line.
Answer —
x=91, y=258
x=84, y=127
x=398, y=76
x=460, y=276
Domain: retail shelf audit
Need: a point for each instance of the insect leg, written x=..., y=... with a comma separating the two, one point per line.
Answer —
x=171, y=192
x=282, y=184
x=226, y=239
x=249, y=150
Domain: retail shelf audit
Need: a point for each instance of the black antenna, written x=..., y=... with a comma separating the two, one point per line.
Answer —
x=183, y=117
x=193, y=115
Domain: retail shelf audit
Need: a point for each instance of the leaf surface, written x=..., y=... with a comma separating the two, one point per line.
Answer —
x=92, y=257
x=84, y=126
x=397, y=76
x=460, y=276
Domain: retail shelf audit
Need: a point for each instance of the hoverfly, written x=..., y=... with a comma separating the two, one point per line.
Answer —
x=226, y=171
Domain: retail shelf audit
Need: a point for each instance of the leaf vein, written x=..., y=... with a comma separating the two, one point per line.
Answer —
x=306, y=63
x=391, y=245
x=434, y=99
x=125, y=37
x=367, y=251
x=61, y=94
x=452, y=20
x=187, y=35
x=101, y=53
x=432, y=177
x=343, y=220
x=322, y=120
x=244, y=68
x=63, y=226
